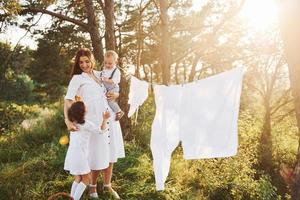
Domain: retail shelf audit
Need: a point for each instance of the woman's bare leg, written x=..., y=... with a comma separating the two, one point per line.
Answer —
x=107, y=174
x=107, y=181
x=94, y=177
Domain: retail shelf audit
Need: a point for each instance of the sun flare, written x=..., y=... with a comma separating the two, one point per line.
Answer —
x=261, y=14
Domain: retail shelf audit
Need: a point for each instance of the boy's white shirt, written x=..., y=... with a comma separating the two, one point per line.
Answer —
x=117, y=75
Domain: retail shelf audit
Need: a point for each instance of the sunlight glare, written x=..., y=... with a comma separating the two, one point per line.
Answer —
x=261, y=14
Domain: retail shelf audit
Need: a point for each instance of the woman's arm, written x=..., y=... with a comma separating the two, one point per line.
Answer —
x=70, y=125
x=70, y=98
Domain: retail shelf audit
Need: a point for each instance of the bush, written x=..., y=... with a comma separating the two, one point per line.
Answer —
x=18, y=88
x=12, y=114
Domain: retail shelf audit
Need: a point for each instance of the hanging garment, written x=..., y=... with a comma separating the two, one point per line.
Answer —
x=138, y=93
x=202, y=115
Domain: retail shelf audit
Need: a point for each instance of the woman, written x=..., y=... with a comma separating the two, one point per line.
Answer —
x=104, y=149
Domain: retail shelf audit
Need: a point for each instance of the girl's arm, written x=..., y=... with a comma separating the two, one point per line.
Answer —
x=93, y=128
x=106, y=116
x=104, y=124
x=90, y=127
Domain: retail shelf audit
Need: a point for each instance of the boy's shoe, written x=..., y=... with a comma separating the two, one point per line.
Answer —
x=119, y=115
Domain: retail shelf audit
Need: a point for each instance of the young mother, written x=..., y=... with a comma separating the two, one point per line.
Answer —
x=104, y=149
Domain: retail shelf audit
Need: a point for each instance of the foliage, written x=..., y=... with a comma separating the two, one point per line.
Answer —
x=17, y=88
x=31, y=163
x=12, y=115
x=15, y=84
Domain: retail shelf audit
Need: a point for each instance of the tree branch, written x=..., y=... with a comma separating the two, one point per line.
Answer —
x=212, y=36
x=57, y=15
x=282, y=100
x=281, y=117
x=102, y=5
x=275, y=109
x=3, y=17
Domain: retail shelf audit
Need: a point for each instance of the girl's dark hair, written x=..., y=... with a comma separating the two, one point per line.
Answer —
x=81, y=52
x=76, y=112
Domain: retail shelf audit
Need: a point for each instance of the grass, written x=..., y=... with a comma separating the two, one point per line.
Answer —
x=31, y=164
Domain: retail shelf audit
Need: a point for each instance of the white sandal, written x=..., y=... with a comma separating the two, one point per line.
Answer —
x=111, y=191
x=94, y=194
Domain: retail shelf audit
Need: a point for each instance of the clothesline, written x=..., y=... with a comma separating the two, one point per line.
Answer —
x=138, y=91
x=177, y=84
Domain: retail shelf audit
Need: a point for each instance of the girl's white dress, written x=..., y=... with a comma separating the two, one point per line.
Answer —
x=102, y=148
x=77, y=158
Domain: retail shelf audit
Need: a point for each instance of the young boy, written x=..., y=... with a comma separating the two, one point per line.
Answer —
x=111, y=77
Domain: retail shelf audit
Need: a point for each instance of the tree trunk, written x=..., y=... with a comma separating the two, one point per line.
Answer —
x=165, y=42
x=124, y=91
x=123, y=99
x=193, y=70
x=139, y=45
x=290, y=32
x=176, y=73
x=110, y=39
x=266, y=140
x=93, y=29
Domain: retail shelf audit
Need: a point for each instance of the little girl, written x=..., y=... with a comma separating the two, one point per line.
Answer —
x=76, y=160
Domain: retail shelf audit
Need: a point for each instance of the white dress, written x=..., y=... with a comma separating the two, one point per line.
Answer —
x=77, y=161
x=102, y=148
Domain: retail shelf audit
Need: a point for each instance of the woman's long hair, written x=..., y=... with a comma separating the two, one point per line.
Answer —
x=82, y=52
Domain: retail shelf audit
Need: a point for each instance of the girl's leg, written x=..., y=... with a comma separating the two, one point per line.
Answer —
x=77, y=179
x=85, y=180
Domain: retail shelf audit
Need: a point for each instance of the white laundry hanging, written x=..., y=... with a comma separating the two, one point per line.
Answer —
x=138, y=93
x=202, y=115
